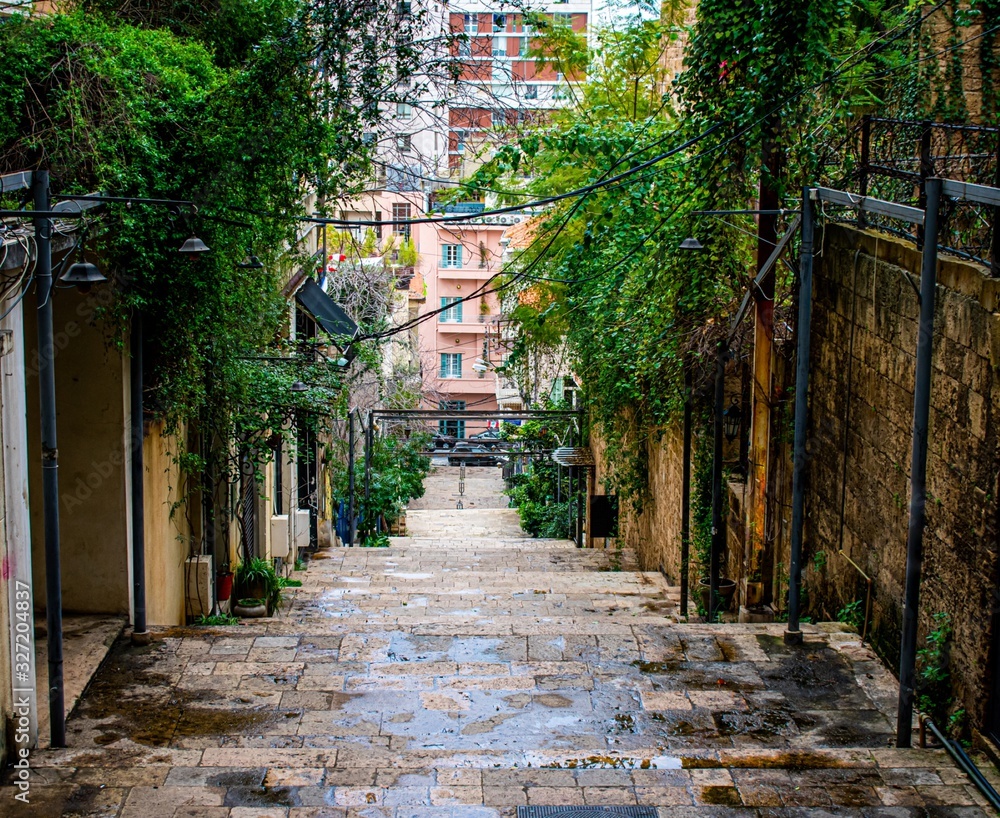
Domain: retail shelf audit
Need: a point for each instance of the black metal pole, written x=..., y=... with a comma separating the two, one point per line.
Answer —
x=866, y=141
x=582, y=475
x=686, y=492
x=718, y=527
x=369, y=525
x=918, y=467
x=140, y=634
x=50, y=459
x=350, y=478
x=793, y=635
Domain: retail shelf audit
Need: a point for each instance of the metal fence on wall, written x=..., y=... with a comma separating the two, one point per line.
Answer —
x=891, y=159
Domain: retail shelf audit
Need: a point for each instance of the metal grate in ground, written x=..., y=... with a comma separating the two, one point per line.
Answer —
x=586, y=812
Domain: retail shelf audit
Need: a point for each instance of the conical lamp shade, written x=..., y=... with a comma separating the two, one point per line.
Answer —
x=193, y=246
x=82, y=274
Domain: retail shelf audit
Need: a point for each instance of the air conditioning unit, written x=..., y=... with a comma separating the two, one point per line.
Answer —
x=198, y=571
x=279, y=535
x=301, y=528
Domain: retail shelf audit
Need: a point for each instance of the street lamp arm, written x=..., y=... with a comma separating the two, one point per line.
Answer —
x=95, y=197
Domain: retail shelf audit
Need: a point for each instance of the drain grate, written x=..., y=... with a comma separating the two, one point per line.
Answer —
x=587, y=812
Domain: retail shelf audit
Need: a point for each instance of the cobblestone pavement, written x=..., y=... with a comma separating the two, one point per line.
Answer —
x=466, y=671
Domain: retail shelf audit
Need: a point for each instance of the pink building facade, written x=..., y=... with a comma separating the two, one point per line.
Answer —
x=459, y=346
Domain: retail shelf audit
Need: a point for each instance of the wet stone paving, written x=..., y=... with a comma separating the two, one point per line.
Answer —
x=467, y=671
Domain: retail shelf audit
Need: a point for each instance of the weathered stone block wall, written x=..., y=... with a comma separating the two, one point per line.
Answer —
x=655, y=534
x=861, y=391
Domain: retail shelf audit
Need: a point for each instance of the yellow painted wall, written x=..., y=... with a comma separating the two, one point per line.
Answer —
x=91, y=401
x=167, y=536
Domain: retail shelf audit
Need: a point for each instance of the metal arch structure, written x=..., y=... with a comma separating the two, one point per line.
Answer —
x=578, y=474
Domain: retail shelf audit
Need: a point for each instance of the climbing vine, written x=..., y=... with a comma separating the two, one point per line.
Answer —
x=240, y=108
x=604, y=270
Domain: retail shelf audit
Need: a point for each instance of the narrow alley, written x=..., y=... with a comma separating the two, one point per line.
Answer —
x=467, y=671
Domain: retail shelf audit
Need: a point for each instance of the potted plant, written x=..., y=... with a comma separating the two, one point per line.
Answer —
x=257, y=579
x=250, y=608
x=484, y=310
x=725, y=590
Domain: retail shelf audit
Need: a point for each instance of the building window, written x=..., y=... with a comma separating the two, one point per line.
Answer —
x=499, y=46
x=451, y=366
x=400, y=217
x=403, y=7
x=523, y=47
x=460, y=141
x=471, y=22
x=404, y=111
x=451, y=255
x=452, y=428
x=499, y=22
x=499, y=118
x=368, y=138
x=465, y=48
x=451, y=313
x=531, y=92
x=403, y=142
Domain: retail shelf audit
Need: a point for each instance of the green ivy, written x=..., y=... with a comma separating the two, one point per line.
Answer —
x=237, y=106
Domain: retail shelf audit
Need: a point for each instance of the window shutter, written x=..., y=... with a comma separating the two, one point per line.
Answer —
x=444, y=256
x=458, y=255
x=444, y=365
x=458, y=317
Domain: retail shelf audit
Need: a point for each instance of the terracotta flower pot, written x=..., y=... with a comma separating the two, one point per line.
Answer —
x=223, y=585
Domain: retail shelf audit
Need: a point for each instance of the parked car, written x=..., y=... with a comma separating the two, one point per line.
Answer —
x=490, y=439
x=471, y=455
x=443, y=441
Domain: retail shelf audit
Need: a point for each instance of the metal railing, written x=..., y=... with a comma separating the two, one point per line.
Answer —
x=892, y=159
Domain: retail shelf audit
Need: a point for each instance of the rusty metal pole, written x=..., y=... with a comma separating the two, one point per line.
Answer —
x=760, y=426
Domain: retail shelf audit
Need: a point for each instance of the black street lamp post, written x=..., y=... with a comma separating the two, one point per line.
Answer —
x=82, y=274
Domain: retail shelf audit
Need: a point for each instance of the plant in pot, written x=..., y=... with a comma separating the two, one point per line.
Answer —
x=257, y=579
x=701, y=536
x=250, y=607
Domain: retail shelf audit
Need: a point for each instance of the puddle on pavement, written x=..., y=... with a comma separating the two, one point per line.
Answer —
x=762, y=724
x=554, y=700
x=721, y=796
x=143, y=706
x=609, y=762
x=656, y=667
x=263, y=797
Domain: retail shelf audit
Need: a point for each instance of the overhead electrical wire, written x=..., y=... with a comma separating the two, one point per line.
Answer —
x=483, y=289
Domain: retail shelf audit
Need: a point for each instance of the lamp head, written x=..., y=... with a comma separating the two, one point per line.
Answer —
x=83, y=275
x=298, y=386
x=691, y=243
x=193, y=246
x=251, y=263
x=731, y=419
